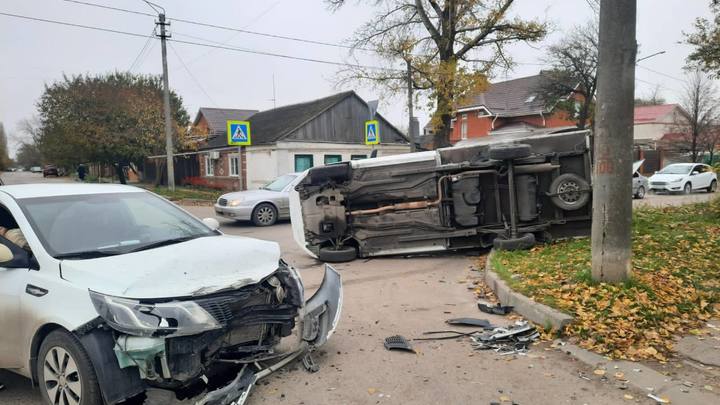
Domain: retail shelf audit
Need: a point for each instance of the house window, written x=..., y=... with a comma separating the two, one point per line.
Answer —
x=209, y=166
x=463, y=127
x=330, y=159
x=303, y=162
x=234, y=164
x=358, y=157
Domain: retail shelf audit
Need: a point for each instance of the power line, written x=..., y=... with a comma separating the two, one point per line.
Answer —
x=251, y=51
x=142, y=51
x=192, y=76
x=226, y=28
x=662, y=74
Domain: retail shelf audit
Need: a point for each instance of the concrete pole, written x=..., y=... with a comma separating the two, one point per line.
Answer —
x=166, y=107
x=411, y=135
x=612, y=179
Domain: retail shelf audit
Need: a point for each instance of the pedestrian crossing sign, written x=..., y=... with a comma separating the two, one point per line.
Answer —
x=372, y=133
x=238, y=133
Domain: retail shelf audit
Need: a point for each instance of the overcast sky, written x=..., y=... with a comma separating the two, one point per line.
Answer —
x=34, y=53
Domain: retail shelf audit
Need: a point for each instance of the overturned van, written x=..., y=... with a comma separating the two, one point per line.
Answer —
x=507, y=191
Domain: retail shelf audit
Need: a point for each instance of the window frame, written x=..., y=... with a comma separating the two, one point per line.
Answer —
x=209, y=166
x=236, y=159
x=358, y=157
x=303, y=155
x=326, y=156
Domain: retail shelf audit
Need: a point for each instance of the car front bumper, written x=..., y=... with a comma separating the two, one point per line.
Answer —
x=238, y=213
x=671, y=187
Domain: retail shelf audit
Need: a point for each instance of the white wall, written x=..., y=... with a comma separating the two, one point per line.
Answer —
x=264, y=163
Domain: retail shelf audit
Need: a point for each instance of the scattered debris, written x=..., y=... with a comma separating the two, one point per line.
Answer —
x=309, y=363
x=371, y=391
x=628, y=397
x=398, y=342
x=483, y=323
x=708, y=387
x=512, y=340
x=497, y=309
x=659, y=400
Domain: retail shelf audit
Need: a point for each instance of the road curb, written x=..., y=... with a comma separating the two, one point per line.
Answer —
x=536, y=312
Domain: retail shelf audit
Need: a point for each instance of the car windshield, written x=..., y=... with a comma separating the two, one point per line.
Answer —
x=280, y=183
x=95, y=225
x=676, y=169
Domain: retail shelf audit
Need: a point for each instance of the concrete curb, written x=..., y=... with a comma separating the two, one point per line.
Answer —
x=534, y=311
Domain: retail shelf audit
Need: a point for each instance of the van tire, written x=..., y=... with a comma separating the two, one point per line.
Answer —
x=341, y=254
x=567, y=183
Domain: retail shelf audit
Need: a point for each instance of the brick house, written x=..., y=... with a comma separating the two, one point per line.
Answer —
x=656, y=130
x=508, y=106
x=289, y=139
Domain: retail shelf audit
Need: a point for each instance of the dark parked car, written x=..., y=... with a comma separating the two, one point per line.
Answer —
x=504, y=191
x=50, y=170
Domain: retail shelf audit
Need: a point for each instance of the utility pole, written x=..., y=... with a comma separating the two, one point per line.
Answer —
x=612, y=180
x=411, y=134
x=166, y=106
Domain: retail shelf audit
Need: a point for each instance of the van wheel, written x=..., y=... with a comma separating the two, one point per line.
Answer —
x=509, y=151
x=340, y=254
x=524, y=242
x=65, y=373
x=571, y=192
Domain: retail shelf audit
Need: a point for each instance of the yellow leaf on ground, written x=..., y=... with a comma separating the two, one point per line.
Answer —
x=599, y=372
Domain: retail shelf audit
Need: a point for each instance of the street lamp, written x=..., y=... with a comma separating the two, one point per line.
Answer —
x=649, y=56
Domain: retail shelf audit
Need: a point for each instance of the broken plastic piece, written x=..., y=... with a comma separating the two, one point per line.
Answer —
x=398, y=342
x=309, y=363
x=483, y=323
x=496, y=309
x=658, y=399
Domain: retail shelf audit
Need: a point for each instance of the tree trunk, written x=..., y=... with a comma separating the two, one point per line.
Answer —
x=612, y=183
x=120, y=173
x=158, y=172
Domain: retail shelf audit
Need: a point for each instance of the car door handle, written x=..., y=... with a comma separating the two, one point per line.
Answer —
x=35, y=290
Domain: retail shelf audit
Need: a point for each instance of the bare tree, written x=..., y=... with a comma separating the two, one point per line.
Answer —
x=451, y=47
x=574, y=62
x=703, y=108
x=652, y=98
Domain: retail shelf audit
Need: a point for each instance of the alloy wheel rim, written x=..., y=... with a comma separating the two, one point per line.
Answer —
x=641, y=192
x=569, y=192
x=62, y=377
x=688, y=188
x=265, y=215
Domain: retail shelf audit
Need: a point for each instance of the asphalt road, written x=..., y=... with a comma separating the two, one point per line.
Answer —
x=406, y=296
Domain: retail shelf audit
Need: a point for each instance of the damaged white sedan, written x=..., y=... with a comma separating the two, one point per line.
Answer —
x=112, y=293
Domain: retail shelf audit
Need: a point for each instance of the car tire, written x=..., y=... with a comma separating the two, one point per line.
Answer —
x=687, y=188
x=264, y=214
x=526, y=241
x=572, y=192
x=713, y=187
x=65, y=371
x=509, y=151
x=640, y=194
x=340, y=254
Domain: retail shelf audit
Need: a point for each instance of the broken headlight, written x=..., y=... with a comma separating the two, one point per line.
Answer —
x=175, y=318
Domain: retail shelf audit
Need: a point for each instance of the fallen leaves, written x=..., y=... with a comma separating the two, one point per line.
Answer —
x=674, y=289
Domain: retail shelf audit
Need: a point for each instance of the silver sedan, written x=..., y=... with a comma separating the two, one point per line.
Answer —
x=263, y=207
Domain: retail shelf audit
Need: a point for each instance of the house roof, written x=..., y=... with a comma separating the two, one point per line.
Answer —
x=270, y=126
x=217, y=118
x=653, y=113
x=511, y=98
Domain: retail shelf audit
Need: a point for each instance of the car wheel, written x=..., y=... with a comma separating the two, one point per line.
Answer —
x=340, y=254
x=524, y=242
x=65, y=373
x=264, y=215
x=509, y=151
x=571, y=192
x=640, y=193
x=713, y=187
x=687, y=189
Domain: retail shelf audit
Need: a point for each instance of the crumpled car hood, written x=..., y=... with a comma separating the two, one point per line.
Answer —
x=196, y=267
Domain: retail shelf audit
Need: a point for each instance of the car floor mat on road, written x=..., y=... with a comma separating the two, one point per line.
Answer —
x=482, y=323
x=495, y=309
x=398, y=342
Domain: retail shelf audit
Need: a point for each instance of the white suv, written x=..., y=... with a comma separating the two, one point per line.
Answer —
x=110, y=291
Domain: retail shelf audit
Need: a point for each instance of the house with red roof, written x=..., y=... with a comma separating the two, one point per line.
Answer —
x=659, y=123
x=509, y=106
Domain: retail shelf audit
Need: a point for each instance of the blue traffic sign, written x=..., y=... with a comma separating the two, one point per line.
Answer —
x=372, y=132
x=238, y=133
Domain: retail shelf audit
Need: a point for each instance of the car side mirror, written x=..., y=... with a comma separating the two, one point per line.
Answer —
x=211, y=223
x=694, y=173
